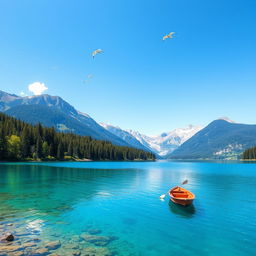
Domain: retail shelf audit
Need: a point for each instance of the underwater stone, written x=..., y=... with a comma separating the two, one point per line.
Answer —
x=10, y=248
x=53, y=245
x=40, y=252
x=94, y=251
x=71, y=246
x=8, y=237
x=76, y=238
x=97, y=240
x=18, y=253
x=74, y=253
x=28, y=244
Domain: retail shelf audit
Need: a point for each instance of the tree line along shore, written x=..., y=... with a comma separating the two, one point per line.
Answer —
x=249, y=154
x=20, y=141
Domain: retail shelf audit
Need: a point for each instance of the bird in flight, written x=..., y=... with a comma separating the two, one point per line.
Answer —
x=170, y=35
x=94, y=53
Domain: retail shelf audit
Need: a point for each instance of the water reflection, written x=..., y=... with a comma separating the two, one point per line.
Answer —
x=183, y=211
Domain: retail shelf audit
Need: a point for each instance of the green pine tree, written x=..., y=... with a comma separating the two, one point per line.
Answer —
x=60, y=151
x=39, y=147
x=45, y=149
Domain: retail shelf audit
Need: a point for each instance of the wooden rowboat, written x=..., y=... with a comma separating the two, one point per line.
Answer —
x=181, y=196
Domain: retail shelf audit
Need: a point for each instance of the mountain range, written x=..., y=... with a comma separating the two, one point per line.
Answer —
x=162, y=144
x=221, y=139
x=53, y=111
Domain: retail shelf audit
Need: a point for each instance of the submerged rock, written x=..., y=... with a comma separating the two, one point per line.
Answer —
x=94, y=251
x=65, y=252
x=53, y=245
x=75, y=238
x=97, y=240
x=29, y=244
x=71, y=246
x=10, y=248
x=40, y=252
x=9, y=237
x=74, y=253
x=18, y=253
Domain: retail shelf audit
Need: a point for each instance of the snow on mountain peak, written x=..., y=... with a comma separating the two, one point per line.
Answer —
x=167, y=142
x=106, y=126
x=225, y=118
x=162, y=144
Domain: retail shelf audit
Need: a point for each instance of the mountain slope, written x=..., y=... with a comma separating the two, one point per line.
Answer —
x=126, y=136
x=54, y=111
x=219, y=140
x=161, y=145
x=165, y=143
x=11, y=100
x=41, y=143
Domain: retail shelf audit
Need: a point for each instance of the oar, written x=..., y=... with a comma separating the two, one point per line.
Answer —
x=183, y=183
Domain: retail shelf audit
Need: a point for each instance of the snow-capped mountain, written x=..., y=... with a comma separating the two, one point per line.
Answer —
x=165, y=143
x=225, y=118
x=162, y=144
x=221, y=139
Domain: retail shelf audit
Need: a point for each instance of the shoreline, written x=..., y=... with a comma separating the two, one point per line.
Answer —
x=78, y=160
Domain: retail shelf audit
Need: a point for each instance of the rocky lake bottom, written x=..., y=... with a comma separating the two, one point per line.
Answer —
x=89, y=243
x=111, y=208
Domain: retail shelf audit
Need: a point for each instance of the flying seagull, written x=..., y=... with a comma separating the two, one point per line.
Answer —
x=94, y=53
x=170, y=35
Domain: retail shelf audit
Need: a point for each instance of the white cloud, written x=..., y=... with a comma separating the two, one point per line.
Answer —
x=37, y=88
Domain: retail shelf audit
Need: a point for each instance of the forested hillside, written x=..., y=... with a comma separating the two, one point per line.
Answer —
x=220, y=139
x=249, y=154
x=23, y=141
x=53, y=111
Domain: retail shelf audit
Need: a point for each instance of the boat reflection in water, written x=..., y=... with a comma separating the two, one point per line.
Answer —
x=185, y=212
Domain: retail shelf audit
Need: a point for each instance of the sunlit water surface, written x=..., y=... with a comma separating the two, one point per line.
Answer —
x=120, y=200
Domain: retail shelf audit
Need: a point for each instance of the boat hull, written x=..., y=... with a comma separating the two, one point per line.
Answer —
x=182, y=202
x=181, y=196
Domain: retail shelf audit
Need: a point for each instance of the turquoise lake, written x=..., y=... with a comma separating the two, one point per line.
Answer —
x=119, y=202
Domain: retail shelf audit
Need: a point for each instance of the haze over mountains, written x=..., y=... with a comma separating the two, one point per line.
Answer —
x=221, y=139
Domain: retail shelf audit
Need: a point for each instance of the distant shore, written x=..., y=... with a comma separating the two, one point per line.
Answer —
x=77, y=160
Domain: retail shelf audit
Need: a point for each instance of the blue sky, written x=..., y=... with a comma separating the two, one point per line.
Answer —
x=140, y=82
